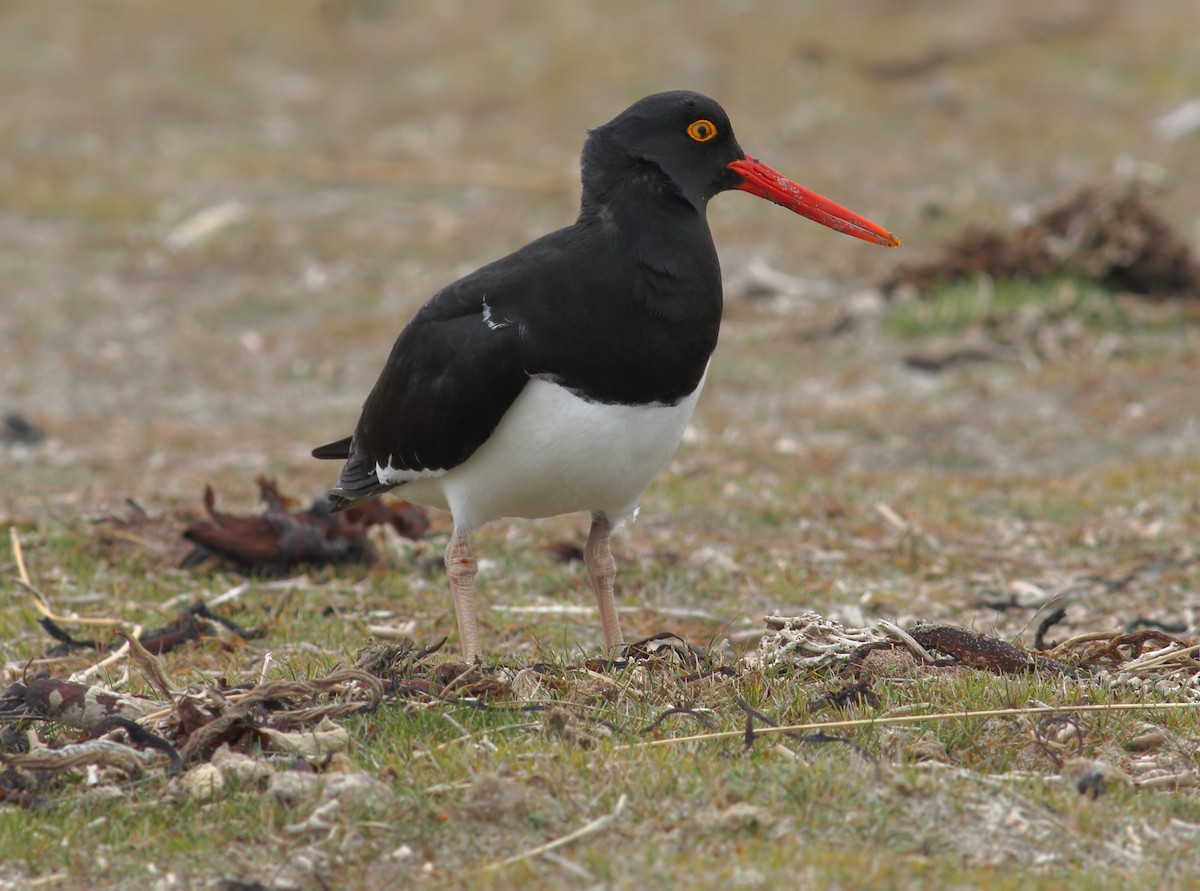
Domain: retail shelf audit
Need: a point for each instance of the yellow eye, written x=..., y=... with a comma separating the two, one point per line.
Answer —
x=702, y=130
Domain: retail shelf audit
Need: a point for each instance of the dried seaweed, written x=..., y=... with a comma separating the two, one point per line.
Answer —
x=1104, y=233
x=140, y=736
x=67, y=643
x=183, y=730
x=80, y=706
x=283, y=538
x=981, y=651
x=187, y=726
x=1134, y=652
x=190, y=625
x=812, y=642
x=1039, y=637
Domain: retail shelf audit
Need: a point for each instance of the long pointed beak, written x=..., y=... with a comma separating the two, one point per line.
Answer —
x=759, y=179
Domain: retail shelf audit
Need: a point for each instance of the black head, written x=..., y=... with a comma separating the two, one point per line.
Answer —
x=682, y=138
x=681, y=145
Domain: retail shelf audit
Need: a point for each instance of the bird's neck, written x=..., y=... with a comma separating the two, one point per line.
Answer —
x=656, y=225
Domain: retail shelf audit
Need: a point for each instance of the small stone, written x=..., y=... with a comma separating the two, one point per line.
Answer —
x=929, y=748
x=201, y=782
x=240, y=767
x=291, y=787
x=1092, y=778
x=1148, y=738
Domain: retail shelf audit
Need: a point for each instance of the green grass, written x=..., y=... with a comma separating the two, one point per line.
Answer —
x=714, y=810
x=998, y=306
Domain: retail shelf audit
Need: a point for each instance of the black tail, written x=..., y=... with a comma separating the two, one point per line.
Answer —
x=355, y=487
x=334, y=450
x=358, y=481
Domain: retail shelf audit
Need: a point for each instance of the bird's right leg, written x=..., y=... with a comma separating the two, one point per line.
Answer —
x=461, y=567
x=602, y=570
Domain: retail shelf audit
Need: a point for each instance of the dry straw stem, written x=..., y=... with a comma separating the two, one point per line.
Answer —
x=40, y=603
x=916, y=719
x=1086, y=637
x=896, y=631
x=86, y=674
x=39, y=599
x=1160, y=657
x=585, y=830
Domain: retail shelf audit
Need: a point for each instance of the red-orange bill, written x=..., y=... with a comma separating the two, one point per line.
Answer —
x=759, y=179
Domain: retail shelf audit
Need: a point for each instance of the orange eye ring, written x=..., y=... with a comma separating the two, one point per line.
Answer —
x=702, y=130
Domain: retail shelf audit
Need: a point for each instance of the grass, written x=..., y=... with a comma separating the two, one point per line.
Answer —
x=988, y=305
x=473, y=787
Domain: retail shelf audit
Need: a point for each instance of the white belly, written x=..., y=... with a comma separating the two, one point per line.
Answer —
x=555, y=453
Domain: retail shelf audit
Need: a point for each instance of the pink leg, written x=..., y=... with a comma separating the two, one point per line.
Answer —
x=602, y=571
x=461, y=566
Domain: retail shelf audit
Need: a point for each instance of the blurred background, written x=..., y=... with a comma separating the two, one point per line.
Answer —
x=215, y=217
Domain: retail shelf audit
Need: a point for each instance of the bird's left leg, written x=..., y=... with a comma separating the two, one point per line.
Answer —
x=461, y=567
x=602, y=571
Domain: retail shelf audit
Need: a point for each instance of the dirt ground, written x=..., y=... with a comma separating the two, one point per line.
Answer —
x=214, y=218
x=354, y=158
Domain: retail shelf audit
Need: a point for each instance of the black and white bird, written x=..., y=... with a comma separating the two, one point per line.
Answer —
x=561, y=377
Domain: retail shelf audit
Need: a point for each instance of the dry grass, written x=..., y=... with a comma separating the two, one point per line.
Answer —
x=359, y=156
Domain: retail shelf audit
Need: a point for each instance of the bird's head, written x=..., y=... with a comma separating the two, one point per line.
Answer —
x=683, y=141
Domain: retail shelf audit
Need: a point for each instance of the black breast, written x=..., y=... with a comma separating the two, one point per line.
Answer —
x=636, y=322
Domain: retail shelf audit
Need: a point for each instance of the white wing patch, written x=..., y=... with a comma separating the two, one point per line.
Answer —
x=490, y=322
x=393, y=476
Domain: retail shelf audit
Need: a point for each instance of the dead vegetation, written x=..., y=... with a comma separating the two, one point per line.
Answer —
x=283, y=539
x=1106, y=233
x=201, y=736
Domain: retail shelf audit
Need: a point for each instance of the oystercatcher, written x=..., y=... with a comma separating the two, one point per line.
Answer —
x=561, y=377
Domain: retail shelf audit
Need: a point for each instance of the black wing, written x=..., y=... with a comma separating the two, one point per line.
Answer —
x=453, y=372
